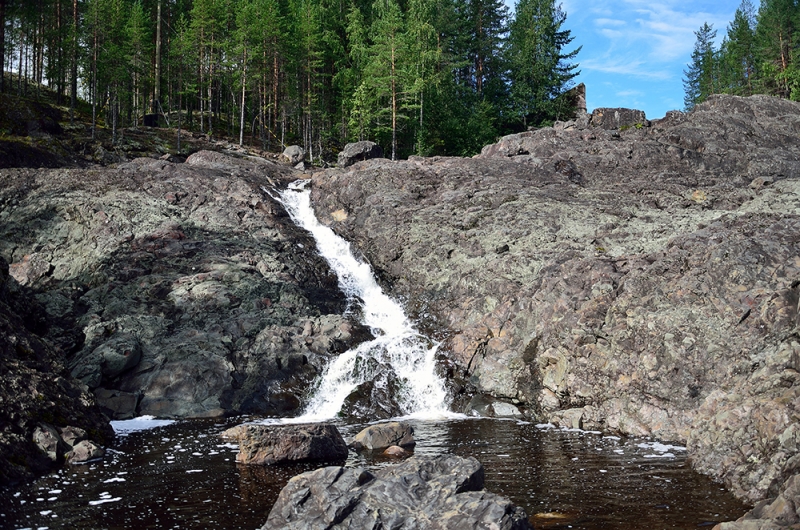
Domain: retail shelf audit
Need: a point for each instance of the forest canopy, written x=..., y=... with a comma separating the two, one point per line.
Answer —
x=419, y=77
x=759, y=54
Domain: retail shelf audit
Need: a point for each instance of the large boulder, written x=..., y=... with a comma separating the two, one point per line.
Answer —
x=618, y=118
x=383, y=435
x=293, y=155
x=273, y=444
x=358, y=151
x=442, y=492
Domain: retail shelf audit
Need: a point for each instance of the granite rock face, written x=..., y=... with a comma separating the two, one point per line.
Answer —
x=176, y=289
x=43, y=411
x=443, y=492
x=643, y=281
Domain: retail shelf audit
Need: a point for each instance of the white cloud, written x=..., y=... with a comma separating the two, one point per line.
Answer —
x=609, y=22
x=629, y=93
x=611, y=33
x=621, y=66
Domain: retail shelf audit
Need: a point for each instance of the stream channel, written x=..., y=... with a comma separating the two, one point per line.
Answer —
x=181, y=474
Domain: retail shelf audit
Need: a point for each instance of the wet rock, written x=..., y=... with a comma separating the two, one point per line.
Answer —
x=48, y=441
x=234, y=433
x=648, y=289
x=72, y=435
x=384, y=435
x=83, y=452
x=374, y=399
x=118, y=405
x=272, y=444
x=293, y=155
x=486, y=406
x=395, y=451
x=358, y=151
x=443, y=492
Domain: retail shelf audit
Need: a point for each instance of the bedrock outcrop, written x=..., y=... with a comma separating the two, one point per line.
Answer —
x=43, y=411
x=643, y=280
x=175, y=289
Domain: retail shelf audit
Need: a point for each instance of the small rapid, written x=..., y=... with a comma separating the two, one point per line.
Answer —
x=397, y=345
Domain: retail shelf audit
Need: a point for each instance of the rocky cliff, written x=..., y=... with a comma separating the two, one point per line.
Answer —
x=643, y=279
x=178, y=290
x=37, y=395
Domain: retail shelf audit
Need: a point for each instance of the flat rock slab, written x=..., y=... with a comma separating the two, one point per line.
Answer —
x=441, y=492
x=272, y=444
x=384, y=435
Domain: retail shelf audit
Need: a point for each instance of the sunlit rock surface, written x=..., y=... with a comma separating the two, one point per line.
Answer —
x=176, y=290
x=643, y=280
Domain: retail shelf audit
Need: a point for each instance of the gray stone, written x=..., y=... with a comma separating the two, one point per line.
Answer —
x=84, y=451
x=48, y=441
x=72, y=435
x=383, y=435
x=293, y=155
x=120, y=405
x=442, y=492
x=358, y=151
x=616, y=118
x=118, y=354
x=273, y=444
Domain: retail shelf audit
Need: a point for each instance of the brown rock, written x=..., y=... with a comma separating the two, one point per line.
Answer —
x=272, y=444
x=84, y=451
x=395, y=451
x=383, y=435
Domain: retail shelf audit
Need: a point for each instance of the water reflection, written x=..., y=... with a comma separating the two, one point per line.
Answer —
x=184, y=475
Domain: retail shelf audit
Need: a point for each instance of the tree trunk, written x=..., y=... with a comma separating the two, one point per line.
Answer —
x=394, y=107
x=74, y=66
x=244, y=84
x=157, y=82
x=2, y=45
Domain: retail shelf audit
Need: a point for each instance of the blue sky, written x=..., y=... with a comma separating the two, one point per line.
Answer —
x=634, y=51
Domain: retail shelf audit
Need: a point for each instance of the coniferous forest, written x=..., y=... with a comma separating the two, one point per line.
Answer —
x=759, y=54
x=420, y=77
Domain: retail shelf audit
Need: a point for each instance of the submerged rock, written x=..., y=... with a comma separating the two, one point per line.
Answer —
x=443, y=492
x=273, y=444
x=384, y=435
x=622, y=280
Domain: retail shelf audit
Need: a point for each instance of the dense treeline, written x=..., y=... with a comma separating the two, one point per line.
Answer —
x=418, y=76
x=760, y=54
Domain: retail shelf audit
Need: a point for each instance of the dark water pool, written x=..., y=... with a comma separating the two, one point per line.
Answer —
x=184, y=476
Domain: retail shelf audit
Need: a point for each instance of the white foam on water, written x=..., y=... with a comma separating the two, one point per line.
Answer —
x=142, y=423
x=397, y=345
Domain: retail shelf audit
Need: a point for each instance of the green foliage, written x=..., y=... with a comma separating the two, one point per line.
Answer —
x=759, y=54
x=540, y=70
x=418, y=76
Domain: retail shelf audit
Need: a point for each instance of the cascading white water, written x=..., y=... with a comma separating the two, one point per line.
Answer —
x=397, y=344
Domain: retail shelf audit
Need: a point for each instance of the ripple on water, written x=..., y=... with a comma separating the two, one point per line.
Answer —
x=183, y=475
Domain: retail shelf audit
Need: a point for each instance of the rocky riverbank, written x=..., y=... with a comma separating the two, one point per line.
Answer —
x=642, y=279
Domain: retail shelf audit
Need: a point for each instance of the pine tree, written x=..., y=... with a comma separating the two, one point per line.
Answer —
x=540, y=70
x=776, y=40
x=699, y=78
x=737, y=53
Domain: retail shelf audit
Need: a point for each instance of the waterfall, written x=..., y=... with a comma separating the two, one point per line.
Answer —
x=397, y=345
